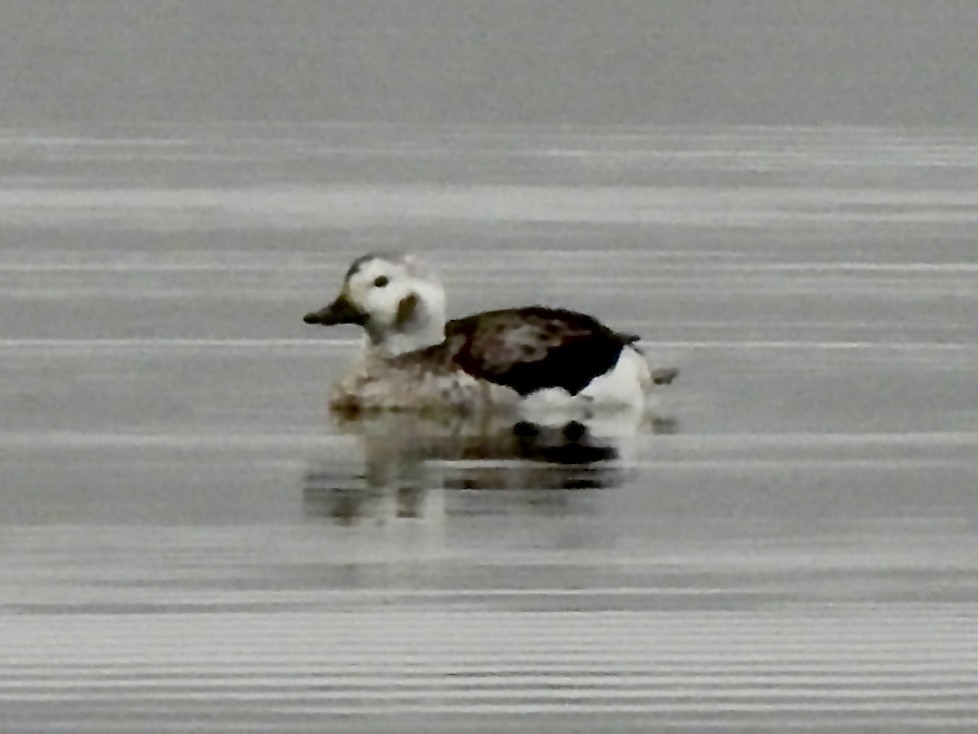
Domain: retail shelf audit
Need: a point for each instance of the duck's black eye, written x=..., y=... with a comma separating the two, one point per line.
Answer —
x=381, y=280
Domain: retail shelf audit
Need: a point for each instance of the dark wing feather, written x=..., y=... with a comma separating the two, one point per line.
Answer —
x=531, y=348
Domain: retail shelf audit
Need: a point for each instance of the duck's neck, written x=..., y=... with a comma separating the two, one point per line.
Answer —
x=424, y=328
x=401, y=342
x=420, y=325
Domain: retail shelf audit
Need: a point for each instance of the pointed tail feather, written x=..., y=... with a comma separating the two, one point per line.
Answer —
x=664, y=375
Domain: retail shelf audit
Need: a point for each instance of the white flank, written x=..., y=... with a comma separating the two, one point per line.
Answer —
x=619, y=394
x=624, y=385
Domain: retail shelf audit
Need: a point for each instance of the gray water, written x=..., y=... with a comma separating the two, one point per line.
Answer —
x=188, y=541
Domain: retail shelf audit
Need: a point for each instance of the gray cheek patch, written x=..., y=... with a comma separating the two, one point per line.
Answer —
x=406, y=309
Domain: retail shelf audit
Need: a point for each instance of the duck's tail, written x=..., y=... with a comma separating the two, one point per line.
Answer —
x=658, y=376
x=664, y=375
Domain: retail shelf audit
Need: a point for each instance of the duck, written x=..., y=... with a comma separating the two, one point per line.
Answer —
x=414, y=358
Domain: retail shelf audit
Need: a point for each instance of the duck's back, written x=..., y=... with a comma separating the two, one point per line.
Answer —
x=490, y=358
x=532, y=348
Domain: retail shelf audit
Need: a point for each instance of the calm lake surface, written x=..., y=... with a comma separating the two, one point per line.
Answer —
x=188, y=541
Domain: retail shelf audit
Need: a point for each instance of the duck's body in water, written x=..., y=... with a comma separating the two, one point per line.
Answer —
x=528, y=358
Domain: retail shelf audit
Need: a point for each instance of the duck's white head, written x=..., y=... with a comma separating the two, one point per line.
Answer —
x=399, y=304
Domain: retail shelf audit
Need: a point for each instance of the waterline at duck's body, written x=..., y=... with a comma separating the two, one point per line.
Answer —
x=531, y=358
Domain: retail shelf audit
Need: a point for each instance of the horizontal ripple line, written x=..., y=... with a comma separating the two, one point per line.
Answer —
x=582, y=680
x=139, y=344
x=216, y=440
x=809, y=670
x=264, y=266
x=898, y=700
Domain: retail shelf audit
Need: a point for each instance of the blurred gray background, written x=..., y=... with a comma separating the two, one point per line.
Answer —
x=906, y=62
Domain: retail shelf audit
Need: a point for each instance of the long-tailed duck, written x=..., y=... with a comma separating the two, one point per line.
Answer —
x=414, y=359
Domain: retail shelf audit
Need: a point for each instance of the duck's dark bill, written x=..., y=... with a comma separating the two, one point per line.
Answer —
x=340, y=311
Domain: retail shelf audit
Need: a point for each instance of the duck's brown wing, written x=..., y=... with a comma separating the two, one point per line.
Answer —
x=531, y=348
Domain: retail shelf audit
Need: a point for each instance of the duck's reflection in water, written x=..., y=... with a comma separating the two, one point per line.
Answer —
x=404, y=464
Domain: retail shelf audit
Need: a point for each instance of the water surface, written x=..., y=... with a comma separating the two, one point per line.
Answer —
x=190, y=541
